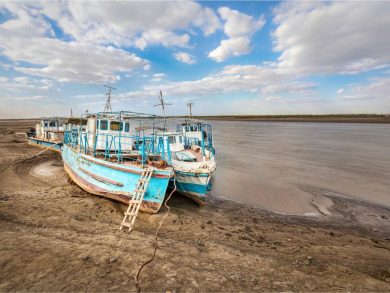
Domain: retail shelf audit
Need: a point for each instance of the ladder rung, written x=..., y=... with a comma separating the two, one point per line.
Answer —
x=135, y=201
x=126, y=224
x=129, y=214
x=140, y=190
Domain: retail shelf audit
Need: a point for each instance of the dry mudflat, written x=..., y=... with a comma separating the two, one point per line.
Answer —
x=56, y=237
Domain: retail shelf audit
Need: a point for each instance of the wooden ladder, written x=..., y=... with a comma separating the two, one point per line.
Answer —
x=137, y=198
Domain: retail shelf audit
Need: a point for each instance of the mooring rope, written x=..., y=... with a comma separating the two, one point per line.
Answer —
x=155, y=244
x=33, y=156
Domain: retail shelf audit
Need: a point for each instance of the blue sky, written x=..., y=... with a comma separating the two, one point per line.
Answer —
x=245, y=57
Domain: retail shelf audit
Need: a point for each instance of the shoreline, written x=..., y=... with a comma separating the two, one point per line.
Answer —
x=52, y=230
x=376, y=119
x=336, y=118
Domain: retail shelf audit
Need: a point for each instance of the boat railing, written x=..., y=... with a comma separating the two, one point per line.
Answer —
x=119, y=147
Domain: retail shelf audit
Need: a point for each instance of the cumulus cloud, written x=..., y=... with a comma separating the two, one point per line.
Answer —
x=239, y=27
x=69, y=61
x=86, y=44
x=163, y=37
x=185, y=57
x=27, y=38
x=332, y=36
x=132, y=23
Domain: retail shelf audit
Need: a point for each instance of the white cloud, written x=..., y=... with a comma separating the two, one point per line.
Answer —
x=239, y=27
x=332, y=36
x=157, y=77
x=85, y=54
x=25, y=83
x=272, y=98
x=163, y=37
x=69, y=61
x=26, y=38
x=231, y=47
x=246, y=79
x=340, y=91
x=132, y=23
x=377, y=88
x=185, y=57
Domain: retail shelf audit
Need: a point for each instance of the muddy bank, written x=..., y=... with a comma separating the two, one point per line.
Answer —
x=56, y=237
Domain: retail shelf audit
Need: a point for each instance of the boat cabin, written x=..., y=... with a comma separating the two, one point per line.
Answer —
x=108, y=132
x=175, y=141
x=197, y=133
x=50, y=128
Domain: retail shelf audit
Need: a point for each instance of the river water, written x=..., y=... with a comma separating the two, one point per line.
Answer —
x=275, y=165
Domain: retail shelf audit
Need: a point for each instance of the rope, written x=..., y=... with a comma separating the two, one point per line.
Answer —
x=155, y=244
x=33, y=156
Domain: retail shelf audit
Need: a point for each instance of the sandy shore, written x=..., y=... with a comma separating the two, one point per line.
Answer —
x=56, y=237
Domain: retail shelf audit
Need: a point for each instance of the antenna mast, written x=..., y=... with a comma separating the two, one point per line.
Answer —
x=189, y=105
x=162, y=104
x=107, y=107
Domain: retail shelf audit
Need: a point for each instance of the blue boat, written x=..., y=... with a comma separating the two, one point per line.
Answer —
x=48, y=133
x=103, y=158
x=192, y=156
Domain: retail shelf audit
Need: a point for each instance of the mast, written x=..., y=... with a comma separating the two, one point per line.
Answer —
x=162, y=104
x=107, y=107
x=189, y=105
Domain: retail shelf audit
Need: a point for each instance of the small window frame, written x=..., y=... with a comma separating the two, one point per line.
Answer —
x=103, y=124
x=115, y=125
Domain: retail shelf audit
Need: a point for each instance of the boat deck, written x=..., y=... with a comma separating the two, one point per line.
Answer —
x=189, y=155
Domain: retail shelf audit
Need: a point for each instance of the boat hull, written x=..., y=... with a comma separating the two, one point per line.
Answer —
x=113, y=180
x=55, y=146
x=192, y=185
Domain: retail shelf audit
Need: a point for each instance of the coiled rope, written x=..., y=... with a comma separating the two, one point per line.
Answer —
x=155, y=243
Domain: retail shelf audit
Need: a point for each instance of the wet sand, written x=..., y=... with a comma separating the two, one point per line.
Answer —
x=277, y=166
x=56, y=237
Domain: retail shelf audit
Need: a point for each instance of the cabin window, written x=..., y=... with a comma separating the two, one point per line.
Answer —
x=103, y=124
x=127, y=127
x=114, y=125
x=46, y=124
x=181, y=139
x=97, y=124
x=52, y=123
x=171, y=139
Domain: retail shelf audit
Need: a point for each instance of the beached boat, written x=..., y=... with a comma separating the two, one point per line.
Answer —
x=191, y=154
x=48, y=133
x=103, y=158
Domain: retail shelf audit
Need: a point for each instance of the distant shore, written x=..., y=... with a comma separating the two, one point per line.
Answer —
x=339, y=118
x=328, y=118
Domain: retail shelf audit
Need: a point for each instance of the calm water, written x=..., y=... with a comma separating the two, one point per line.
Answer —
x=270, y=164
